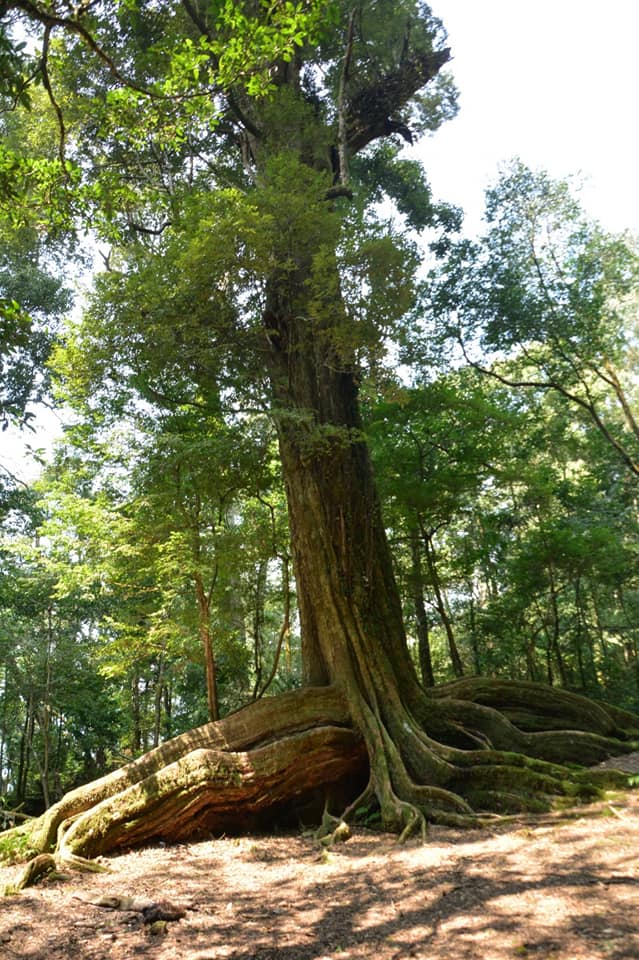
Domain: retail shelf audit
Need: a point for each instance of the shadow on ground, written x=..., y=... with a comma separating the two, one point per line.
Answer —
x=563, y=888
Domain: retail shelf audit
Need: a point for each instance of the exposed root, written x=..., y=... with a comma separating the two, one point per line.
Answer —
x=415, y=820
x=39, y=867
x=219, y=777
x=66, y=858
x=48, y=863
x=417, y=780
x=332, y=830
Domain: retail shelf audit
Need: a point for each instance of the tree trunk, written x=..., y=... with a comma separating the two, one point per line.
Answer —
x=429, y=758
x=472, y=629
x=204, y=627
x=136, y=711
x=285, y=629
x=157, y=700
x=4, y=733
x=258, y=626
x=555, y=631
x=421, y=619
x=440, y=600
x=26, y=750
x=417, y=757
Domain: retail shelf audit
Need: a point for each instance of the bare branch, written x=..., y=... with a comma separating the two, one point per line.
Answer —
x=338, y=191
x=46, y=80
x=341, y=103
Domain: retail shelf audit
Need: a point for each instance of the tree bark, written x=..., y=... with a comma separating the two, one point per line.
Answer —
x=204, y=627
x=274, y=754
x=440, y=600
x=421, y=618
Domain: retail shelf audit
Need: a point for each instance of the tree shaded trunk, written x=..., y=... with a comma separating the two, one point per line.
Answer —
x=158, y=698
x=421, y=618
x=136, y=712
x=26, y=748
x=204, y=627
x=440, y=600
x=258, y=626
x=555, y=628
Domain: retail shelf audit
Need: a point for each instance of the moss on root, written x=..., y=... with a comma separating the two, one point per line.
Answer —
x=275, y=755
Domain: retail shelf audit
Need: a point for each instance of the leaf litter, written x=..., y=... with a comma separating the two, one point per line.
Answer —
x=564, y=885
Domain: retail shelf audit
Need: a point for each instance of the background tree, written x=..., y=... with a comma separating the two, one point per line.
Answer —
x=60, y=724
x=547, y=288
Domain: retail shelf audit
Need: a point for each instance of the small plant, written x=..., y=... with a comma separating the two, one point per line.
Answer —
x=15, y=847
x=370, y=817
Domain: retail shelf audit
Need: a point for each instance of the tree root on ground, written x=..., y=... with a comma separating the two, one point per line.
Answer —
x=279, y=754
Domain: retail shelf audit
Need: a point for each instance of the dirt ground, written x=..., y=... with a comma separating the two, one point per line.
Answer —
x=557, y=887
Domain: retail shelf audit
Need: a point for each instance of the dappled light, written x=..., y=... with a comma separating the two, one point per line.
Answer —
x=319, y=628
x=563, y=886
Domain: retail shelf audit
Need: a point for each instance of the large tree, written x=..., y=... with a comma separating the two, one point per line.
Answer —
x=268, y=280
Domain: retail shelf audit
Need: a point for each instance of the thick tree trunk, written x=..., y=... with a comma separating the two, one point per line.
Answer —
x=444, y=756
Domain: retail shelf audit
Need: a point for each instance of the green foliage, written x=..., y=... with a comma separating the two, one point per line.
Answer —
x=385, y=173
x=59, y=721
x=32, y=299
x=17, y=71
x=546, y=288
x=544, y=280
x=527, y=541
x=554, y=276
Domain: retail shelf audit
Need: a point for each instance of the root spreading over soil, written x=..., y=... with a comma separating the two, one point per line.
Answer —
x=551, y=886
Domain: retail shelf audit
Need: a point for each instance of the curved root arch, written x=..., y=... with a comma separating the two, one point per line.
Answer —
x=453, y=757
x=416, y=780
x=282, y=751
x=221, y=776
x=499, y=768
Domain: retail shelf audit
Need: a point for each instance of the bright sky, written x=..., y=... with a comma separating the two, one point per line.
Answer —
x=555, y=82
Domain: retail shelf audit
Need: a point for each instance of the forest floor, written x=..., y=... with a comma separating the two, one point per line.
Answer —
x=563, y=886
